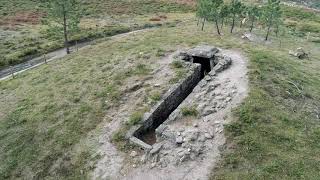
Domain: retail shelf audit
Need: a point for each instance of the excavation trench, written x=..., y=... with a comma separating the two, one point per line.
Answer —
x=149, y=135
x=175, y=97
x=201, y=61
x=144, y=135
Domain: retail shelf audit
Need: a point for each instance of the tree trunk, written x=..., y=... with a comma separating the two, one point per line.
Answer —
x=252, y=23
x=267, y=36
x=277, y=30
x=222, y=22
x=217, y=26
x=232, y=25
x=204, y=20
x=66, y=41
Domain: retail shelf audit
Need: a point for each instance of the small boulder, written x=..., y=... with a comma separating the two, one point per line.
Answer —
x=208, y=136
x=133, y=154
x=179, y=140
x=156, y=148
x=299, y=53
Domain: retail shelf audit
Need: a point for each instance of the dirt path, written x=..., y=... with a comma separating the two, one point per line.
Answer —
x=54, y=55
x=214, y=97
x=291, y=4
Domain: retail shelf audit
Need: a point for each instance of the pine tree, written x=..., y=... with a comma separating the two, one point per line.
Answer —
x=215, y=11
x=235, y=10
x=203, y=11
x=271, y=15
x=224, y=13
x=63, y=18
x=253, y=14
x=242, y=14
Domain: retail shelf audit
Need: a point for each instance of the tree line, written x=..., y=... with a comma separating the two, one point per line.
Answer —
x=219, y=12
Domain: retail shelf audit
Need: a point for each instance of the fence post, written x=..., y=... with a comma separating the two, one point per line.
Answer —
x=45, y=58
x=12, y=72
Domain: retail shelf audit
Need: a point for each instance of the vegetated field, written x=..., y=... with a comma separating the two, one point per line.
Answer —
x=22, y=34
x=50, y=116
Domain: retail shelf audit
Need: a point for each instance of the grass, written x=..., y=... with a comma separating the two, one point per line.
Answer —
x=276, y=129
x=180, y=71
x=24, y=37
x=155, y=97
x=47, y=112
x=189, y=111
x=135, y=118
x=274, y=132
x=301, y=22
x=119, y=137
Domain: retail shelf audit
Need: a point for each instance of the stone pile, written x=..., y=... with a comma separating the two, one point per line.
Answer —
x=179, y=141
x=176, y=143
x=221, y=62
x=299, y=53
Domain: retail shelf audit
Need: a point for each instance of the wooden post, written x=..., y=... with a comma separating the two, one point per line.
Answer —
x=77, y=46
x=45, y=58
x=12, y=72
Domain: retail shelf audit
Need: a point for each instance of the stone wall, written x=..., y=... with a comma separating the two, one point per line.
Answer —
x=170, y=101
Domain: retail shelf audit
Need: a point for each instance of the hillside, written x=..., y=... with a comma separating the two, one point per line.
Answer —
x=24, y=36
x=69, y=118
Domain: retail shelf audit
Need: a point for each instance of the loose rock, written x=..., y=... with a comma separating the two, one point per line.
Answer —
x=179, y=140
x=133, y=154
x=208, y=136
x=156, y=148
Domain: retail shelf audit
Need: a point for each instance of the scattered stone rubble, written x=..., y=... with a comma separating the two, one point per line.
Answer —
x=179, y=138
x=299, y=53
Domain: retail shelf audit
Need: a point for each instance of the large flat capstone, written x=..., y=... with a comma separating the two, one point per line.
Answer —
x=203, y=51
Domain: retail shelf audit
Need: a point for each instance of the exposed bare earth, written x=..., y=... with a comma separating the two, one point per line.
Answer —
x=214, y=97
x=113, y=161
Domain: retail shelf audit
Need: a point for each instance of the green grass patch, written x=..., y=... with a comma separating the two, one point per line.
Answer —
x=189, y=111
x=274, y=132
x=135, y=118
x=180, y=72
x=155, y=97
